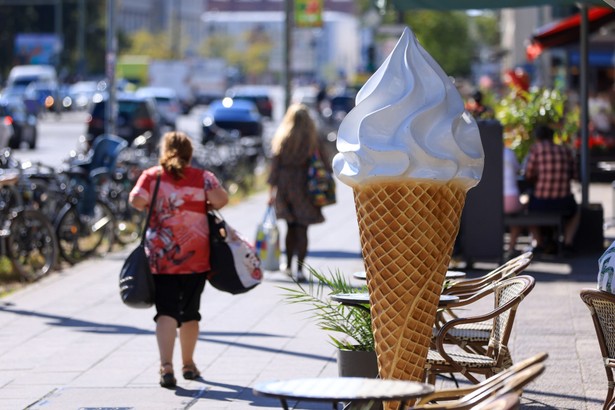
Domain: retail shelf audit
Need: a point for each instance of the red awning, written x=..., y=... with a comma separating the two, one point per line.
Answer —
x=567, y=31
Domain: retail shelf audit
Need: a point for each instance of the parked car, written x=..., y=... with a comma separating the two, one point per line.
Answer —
x=47, y=94
x=82, y=95
x=206, y=98
x=167, y=101
x=339, y=106
x=24, y=123
x=257, y=95
x=230, y=114
x=27, y=95
x=136, y=116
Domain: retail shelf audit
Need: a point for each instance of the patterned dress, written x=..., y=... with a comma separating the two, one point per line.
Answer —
x=289, y=175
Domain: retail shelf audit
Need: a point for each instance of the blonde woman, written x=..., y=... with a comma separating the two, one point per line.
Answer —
x=177, y=244
x=294, y=142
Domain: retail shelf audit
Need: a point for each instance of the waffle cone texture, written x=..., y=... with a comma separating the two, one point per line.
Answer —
x=407, y=235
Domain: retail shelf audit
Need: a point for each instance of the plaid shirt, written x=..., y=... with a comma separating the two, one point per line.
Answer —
x=551, y=167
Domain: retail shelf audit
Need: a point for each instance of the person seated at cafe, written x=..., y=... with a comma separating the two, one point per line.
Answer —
x=551, y=168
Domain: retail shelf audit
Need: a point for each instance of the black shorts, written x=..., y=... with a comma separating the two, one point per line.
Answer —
x=179, y=296
x=567, y=205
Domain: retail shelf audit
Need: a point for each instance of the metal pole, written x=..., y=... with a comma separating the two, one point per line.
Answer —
x=81, y=40
x=110, y=112
x=176, y=30
x=288, y=34
x=58, y=30
x=584, y=105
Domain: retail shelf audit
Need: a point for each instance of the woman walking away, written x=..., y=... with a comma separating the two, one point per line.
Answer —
x=294, y=142
x=177, y=244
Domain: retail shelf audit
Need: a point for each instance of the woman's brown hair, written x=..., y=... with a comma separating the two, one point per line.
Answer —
x=296, y=127
x=175, y=153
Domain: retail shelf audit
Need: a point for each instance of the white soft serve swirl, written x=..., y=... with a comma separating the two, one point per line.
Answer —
x=409, y=122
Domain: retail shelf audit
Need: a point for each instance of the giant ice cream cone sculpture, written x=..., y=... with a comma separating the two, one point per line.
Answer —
x=410, y=153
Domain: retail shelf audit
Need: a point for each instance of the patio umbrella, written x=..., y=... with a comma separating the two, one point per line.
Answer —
x=566, y=31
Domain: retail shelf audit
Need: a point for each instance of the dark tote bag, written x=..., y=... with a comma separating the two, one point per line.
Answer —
x=136, y=280
x=235, y=266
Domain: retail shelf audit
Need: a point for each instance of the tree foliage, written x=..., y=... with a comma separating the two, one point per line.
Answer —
x=445, y=36
x=18, y=19
x=521, y=111
x=154, y=45
x=251, y=54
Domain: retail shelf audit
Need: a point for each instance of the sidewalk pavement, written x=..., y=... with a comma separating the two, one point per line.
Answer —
x=67, y=341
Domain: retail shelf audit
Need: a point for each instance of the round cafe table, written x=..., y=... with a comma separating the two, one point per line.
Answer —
x=451, y=274
x=361, y=300
x=343, y=389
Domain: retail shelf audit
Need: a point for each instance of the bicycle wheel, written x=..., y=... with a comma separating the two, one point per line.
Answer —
x=80, y=236
x=128, y=219
x=128, y=225
x=31, y=244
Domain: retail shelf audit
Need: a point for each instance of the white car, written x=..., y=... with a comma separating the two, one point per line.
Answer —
x=83, y=93
x=167, y=102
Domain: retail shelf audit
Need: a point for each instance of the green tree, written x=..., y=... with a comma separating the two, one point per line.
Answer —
x=21, y=19
x=488, y=29
x=144, y=43
x=250, y=54
x=155, y=45
x=445, y=36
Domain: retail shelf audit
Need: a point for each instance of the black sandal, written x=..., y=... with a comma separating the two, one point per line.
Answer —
x=167, y=378
x=190, y=372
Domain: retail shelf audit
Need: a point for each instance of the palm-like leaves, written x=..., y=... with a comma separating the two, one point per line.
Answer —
x=354, y=323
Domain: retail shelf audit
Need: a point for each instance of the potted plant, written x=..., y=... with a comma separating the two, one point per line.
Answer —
x=520, y=111
x=350, y=327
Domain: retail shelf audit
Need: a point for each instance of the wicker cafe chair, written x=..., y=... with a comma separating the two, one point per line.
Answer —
x=509, y=397
x=508, y=401
x=602, y=308
x=474, y=337
x=491, y=388
x=508, y=269
x=508, y=294
x=469, y=397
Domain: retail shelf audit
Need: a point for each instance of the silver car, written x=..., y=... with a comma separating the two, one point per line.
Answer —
x=167, y=103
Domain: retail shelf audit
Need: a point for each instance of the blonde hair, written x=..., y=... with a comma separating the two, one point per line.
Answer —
x=296, y=127
x=175, y=153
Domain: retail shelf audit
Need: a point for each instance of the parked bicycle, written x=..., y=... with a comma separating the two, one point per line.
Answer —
x=27, y=237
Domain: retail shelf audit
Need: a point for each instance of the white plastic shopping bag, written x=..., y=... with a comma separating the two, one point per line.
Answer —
x=268, y=241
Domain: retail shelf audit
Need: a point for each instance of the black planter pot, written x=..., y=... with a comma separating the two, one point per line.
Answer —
x=357, y=363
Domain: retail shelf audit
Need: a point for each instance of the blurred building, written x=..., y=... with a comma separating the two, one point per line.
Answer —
x=545, y=42
x=331, y=50
x=180, y=18
x=318, y=53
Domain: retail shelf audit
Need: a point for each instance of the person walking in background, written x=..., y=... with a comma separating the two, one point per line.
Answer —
x=294, y=142
x=512, y=204
x=177, y=244
x=551, y=168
